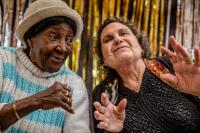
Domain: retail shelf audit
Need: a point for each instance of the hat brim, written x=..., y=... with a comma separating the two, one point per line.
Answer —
x=32, y=19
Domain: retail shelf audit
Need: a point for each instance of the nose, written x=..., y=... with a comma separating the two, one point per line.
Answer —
x=61, y=47
x=117, y=40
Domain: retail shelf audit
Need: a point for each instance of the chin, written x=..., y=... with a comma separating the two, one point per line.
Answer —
x=126, y=56
x=53, y=69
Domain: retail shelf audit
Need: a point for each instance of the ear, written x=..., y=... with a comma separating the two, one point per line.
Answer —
x=104, y=62
x=30, y=43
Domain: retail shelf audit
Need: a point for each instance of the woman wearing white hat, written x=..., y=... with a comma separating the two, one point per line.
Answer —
x=37, y=92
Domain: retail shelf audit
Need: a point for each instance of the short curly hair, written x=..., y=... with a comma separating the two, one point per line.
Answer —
x=141, y=37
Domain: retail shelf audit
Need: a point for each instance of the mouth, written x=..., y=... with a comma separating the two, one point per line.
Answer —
x=119, y=48
x=57, y=59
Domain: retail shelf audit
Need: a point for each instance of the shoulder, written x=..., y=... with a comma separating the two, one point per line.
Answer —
x=165, y=61
x=108, y=87
x=70, y=73
x=99, y=88
x=159, y=64
x=9, y=50
x=74, y=80
x=8, y=55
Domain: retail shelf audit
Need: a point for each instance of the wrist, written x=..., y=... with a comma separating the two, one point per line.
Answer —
x=15, y=111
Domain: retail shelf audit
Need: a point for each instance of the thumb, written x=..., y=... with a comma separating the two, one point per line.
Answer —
x=121, y=106
x=170, y=79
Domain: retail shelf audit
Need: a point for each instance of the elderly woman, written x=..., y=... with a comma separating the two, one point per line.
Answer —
x=151, y=104
x=37, y=92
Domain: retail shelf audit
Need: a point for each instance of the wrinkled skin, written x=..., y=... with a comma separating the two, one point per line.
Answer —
x=56, y=96
x=48, y=51
x=186, y=78
x=111, y=117
x=119, y=46
x=50, y=48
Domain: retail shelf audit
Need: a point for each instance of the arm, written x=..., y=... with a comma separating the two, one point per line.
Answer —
x=187, y=72
x=23, y=108
x=78, y=122
x=55, y=96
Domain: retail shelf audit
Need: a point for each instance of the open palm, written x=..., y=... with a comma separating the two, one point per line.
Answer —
x=111, y=117
x=187, y=72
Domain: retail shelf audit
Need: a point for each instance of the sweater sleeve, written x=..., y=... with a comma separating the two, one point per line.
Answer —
x=1, y=67
x=1, y=73
x=78, y=122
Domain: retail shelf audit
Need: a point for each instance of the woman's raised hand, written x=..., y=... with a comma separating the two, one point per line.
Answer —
x=111, y=117
x=187, y=71
x=57, y=95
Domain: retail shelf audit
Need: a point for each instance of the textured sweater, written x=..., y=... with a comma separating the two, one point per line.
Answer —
x=157, y=108
x=20, y=78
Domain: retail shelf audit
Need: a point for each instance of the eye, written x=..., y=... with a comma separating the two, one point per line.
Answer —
x=69, y=41
x=107, y=39
x=52, y=36
x=123, y=33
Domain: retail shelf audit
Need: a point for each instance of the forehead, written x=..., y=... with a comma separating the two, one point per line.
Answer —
x=113, y=27
x=64, y=27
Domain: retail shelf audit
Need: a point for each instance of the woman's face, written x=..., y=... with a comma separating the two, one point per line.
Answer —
x=119, y=45
x=50, y=48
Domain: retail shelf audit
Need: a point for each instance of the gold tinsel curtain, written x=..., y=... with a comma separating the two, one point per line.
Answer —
x=157, y=18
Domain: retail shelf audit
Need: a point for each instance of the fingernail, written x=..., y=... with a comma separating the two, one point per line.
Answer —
x=98, y=126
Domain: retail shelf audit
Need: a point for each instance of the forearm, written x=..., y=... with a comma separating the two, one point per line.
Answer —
x=23, y=107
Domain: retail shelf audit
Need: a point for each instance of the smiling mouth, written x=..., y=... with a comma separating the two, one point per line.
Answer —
x=119, y=48
x=57, y=59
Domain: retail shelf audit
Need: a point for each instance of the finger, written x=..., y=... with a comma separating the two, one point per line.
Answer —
x=99, y=116
x=104, y=99
x=170, y=79
x=166, y=51
x=169, y=54
x=99, y=107
x=173, y=42
x=69, y=101
x=58, y=87
x=183, y=52
x=67, y=93
x=67, y=87
x=102, y=125
x=66, y=107
x=174, y=45
x=66, y=99
x=196, y=57
x=61, y=89
x=122, y=105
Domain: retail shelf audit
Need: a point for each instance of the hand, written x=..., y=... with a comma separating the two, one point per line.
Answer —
x=111, y=117
x=57, y=95
x=187, y=72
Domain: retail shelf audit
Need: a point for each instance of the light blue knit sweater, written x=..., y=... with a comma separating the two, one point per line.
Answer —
x=20, y=78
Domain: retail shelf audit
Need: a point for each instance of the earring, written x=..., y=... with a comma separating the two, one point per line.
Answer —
x=142, y=53
x=30, y=53
x=105, y=65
